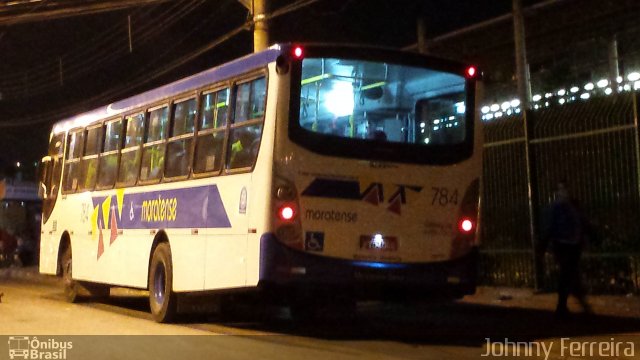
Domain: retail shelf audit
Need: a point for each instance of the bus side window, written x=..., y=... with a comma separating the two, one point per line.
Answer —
x=130, y=154
x=75, y=142
x=244, y=145
x=211, y=132
x=89, y=163
x=154, y=148
x=246, y=131
x=250, y=100
x=108, y=164
x=180, y=146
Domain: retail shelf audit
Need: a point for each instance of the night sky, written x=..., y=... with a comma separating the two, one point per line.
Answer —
x=98, y=68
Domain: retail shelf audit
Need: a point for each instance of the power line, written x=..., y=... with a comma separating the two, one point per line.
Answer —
x=102, y=51
x=144, y=77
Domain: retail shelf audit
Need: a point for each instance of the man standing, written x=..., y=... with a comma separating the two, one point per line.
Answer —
x=567, y=231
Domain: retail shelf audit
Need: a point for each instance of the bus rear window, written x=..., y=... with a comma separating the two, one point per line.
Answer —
x=382, y=102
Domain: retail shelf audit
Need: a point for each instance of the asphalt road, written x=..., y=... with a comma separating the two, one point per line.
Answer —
x=377, y=331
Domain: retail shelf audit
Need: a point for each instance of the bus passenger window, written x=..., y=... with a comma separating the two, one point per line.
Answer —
x=211, y=130
x=154, y=147
x=89, y=162
x=244, y=145
x=214, y=110
x=179, y=149
x=184, y=115
x=108, y=167
x=208, y=152
x=130, y=154
x=250, y=100
x=75, y=142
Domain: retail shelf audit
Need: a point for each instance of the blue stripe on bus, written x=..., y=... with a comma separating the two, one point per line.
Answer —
x=197, y=207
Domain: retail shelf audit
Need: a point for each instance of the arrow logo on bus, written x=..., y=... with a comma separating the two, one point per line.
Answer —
x=373, y=193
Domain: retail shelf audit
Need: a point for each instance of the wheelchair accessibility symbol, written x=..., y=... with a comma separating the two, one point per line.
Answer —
x=314, y=241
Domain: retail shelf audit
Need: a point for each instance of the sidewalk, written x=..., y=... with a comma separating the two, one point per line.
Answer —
x=608, y=305
x=28, y=273
x=525, y=298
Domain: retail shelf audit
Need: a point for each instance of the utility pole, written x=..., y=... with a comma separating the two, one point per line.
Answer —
x=524, y=93
x=614, y=63
x=259, y=10
x=522, y=68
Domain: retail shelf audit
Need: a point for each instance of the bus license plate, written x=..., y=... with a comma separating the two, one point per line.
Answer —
x=388, y=243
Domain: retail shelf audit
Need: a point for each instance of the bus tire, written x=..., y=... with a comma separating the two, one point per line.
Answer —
x=77, y=291
x=71, y=286
x=162, y=299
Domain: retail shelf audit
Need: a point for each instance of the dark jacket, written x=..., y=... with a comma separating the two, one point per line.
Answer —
x=566, y=224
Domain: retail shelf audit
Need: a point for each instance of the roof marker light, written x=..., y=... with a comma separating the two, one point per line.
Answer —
x=471, y=71
x=297, y=52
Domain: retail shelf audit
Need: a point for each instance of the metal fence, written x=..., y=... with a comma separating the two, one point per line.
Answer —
x=594, y=146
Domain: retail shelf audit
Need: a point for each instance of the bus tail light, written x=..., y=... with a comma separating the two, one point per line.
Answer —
x=287, y=213
x=466, y=236
x=465, y=225
x=286, y=208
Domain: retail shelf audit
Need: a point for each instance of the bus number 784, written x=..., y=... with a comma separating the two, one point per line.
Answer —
x=443, y=196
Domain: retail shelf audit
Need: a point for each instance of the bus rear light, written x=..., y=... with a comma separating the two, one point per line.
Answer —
x=286, y=213
x=298, y=52
x=465, y=225
x=285, y=192
x=290, y=235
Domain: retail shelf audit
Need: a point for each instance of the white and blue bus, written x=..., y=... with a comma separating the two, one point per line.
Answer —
x=294, y=172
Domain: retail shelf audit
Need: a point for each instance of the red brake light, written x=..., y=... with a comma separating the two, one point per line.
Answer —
x=286, y=213
x=471, y=71
x=297, y=52
x=466, y=225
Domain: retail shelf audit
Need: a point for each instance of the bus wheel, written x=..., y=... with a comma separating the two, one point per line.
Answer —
x=162, y=299
x=71, y=287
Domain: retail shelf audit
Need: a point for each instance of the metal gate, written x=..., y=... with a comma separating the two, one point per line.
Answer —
x=594, y=146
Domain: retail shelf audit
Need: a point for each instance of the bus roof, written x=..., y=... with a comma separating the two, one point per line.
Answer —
x=209, y=76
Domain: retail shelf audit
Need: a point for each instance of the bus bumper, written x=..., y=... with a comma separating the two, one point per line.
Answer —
x=283, y=268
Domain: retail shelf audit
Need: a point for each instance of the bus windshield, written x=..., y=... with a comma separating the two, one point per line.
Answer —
x=382, y=103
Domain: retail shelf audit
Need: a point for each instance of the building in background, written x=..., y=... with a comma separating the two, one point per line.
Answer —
x=20, y=209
